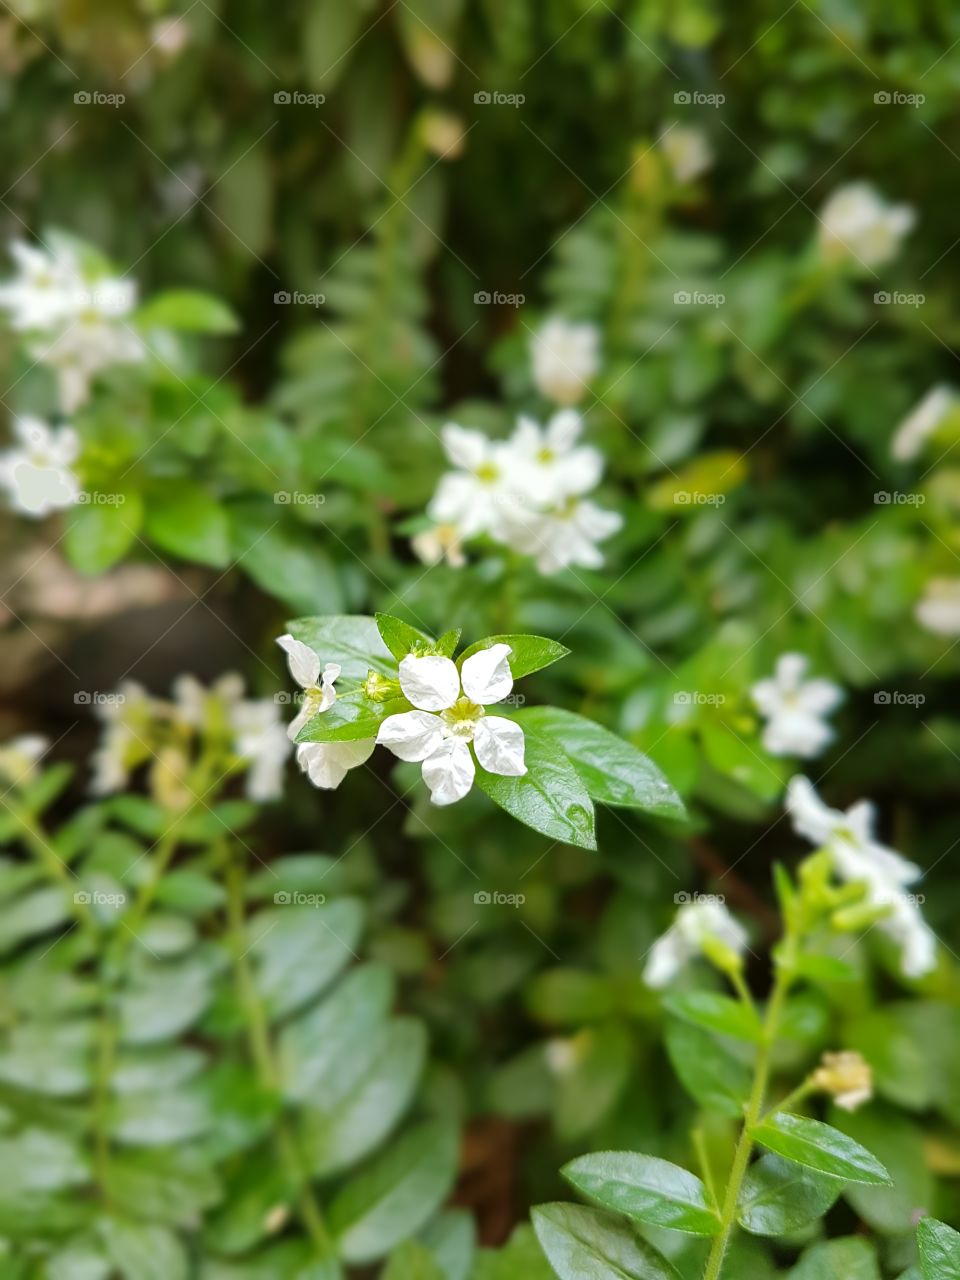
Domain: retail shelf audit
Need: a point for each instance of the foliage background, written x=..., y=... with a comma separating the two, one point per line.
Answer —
x=785, y=398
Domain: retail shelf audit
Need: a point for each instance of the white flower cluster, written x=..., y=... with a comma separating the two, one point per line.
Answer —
x=448, y=716
x=37, y=472
x=137, y=727
x=74, y=320
x=857, y=858
x=794, y=707
x=527, y=493
x=696, y=926
x=857, y=223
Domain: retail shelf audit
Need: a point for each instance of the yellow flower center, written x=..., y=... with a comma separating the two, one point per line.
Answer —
x=461, y=720
x=487, y=473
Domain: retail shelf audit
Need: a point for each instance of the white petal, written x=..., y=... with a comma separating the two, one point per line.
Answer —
x=811, y=817
x=486, y=675
x=326, y=763
x=431, y=683
x=667, y=957
x=412, y=735
x=499, y=746
x=465, y=448
x=300, y=720
x=449, y=772
x=819, y=697
x=304, y=664
x=563, y=430
x=794, y=733
x=790, y=669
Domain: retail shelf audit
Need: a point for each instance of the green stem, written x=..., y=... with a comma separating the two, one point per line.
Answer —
x=36, y=841
x=261, y=1050
x=741, y=1158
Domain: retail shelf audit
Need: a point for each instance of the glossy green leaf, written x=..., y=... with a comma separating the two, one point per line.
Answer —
x=100, y=534
x=848, y=1259
x=583, y=1243
x=299, y=950
x=939, y=1247
x=647, y=1188
x=400, y=638
x=352, y=718
x=352, y=640
x=819, y=1146
x=186, y=309
x=706, y=1069
x=187, y=520
x=550, y=797
x=716, y=1013
x=780, y=1197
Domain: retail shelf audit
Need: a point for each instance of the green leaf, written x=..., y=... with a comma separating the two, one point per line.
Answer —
x=140, y=1251
x=848, y=1259
x=706, y=1069
x=352, y=640
x=351, y=719
x=400, y=638
x=900, y=1143
x=299, y=950
x=550, y=797
x=779, y=1197
x=447, y=644
x=819, y=1146
x=590, y=1244
x=188, y=521
x=527, y=653
x=411, y=1261
x=715, y=1012
x=451, y=1239
x=100, y=534
x=615, y=772
x=939, y=1250
x=330, y=32
x=287, y=560
x=186, y=309
x=392, y=1198
x=652, y=1190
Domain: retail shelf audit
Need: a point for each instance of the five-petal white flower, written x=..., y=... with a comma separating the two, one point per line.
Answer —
x=449, y=715
x=696, y=923
x=794, y=707
x=860, y=859
x=548, y=464
x=472, y=497
x=326, y=764
x=37, y=473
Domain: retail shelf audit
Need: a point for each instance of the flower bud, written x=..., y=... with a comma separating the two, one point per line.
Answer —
x=847, y=1077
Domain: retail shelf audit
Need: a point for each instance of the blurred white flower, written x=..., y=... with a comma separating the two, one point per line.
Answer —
x=794, y=707
x=472, y=496
x=37, y=473
x=939, y=609
x=326, y=764
x=917, y=427
x=847, y=1076
x=859, y=859
x=687, y=151
x=449, y=715
x=170, y=35
x=19, y=758
x=124, y=744
x=261, y=740
x=566, y=535
x=565, y=357
x=439, y=543
x=76, y=323
x=546, y=463
x=856, y=222
x=196, y=704
x=697, y=924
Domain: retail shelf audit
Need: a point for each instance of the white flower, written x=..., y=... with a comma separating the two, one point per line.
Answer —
x=547, y=464
x=939, y=610
x=859, y=859
x=856, y=222
x=441, y=542
x=696, y=923
x=565, y=357
x=449, y=715
x=20, y=756
x=261, y=739
x=687, y=151
x=37, y=474
x=566, y=535
x=195, y=703
x=126, y=719
x=794, y=708
x=847, y=1076
x=170, y=35
x=917, y=427
x=472, y=497
x=43, y=294
x=325, y=763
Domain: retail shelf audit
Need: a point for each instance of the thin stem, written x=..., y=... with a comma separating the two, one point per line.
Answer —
x=35, y=839
x=261, y=1050
x=703, y=1157
x=741, y=1158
